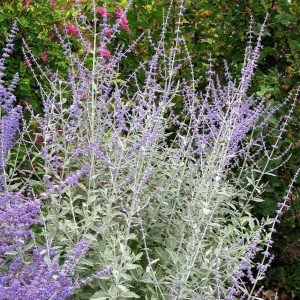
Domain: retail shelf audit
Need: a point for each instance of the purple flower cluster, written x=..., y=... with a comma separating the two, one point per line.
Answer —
x=10, y=115
x=16, y=217
x=96, y=276
x=27, y=275
x=34, y=280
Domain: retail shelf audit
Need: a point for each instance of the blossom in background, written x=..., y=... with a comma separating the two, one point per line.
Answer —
x=54, y=37
x=44, y=56
x=26, y=63
x=123, y=20
x=105, y=53
x=72, y=30
x=124, y=24
x=102, y=12
x=26, y=2
x=119, y=12
x=53, y=3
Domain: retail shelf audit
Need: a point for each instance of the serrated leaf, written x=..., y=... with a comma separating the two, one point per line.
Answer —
x=99, y=296
x=126, y=293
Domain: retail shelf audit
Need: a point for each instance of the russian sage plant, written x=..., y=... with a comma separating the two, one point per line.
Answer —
x=158, y=200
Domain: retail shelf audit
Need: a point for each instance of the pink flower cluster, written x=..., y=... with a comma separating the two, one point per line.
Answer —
x=44, y=56
x=26, y=63
x=102, y=12
x=123, y=20
x=72, y=30
x=26, y=2
x=105, y=53
x=120, y=15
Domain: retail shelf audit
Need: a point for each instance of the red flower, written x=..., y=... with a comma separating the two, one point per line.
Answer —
x=54, y=38
x=119, y=12
x=26, y=2
x=105, y=53
x=26, y=63
x=53, y=3
x=44, y=56
x=72, y=30
x=102, y=11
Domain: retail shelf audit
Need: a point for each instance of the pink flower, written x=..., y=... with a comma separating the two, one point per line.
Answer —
x=124, y=24
x=105, y=53
x=44, y=56
x=108, y=32
x=123, y=20
x=26, y=63
x=72, y=30
x=119, y=12
x=53, y=3
x=26, y=2
x=102, y=11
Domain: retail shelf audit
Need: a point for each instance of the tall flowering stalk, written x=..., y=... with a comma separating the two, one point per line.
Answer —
x=150, y=187
x=9, y=113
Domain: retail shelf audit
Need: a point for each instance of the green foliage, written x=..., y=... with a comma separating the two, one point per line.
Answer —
x=36, y=25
